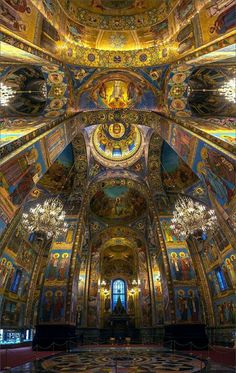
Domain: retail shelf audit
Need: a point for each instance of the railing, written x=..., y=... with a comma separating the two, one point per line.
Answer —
x=203, y=353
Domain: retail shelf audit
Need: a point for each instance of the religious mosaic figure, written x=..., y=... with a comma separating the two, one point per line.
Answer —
x=182, y=305
x=193, y=305
x=47, y=306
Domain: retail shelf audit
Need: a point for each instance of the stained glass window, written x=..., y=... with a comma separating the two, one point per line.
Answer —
x=118, y=290
x=221, y=279
x=16, y=281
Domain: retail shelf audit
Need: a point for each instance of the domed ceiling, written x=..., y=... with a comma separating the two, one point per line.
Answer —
x=116, y=24
x=116, y=141
x=118, y=202
x=117, y=7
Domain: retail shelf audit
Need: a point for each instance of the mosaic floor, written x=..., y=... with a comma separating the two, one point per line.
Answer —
x=117, y=360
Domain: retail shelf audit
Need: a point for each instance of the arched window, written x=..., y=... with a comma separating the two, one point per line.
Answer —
x=221, y=279
x=118, y=290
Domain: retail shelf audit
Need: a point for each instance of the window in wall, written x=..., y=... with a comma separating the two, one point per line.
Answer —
x=118, y=290
x=221, y=279
x=16, y=281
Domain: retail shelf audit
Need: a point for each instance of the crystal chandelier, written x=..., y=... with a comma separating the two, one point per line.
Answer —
x=191, y=218
x=6, y=94
x=228, y=90
x=47, y=218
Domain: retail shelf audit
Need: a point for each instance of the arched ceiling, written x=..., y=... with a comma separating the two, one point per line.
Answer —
x=114, y=8
x=132, y=32
x=116, y=24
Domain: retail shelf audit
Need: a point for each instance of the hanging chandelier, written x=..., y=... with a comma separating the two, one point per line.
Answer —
x=228, y=90
x=47, y=218
x=6, y=94
x=192, y=218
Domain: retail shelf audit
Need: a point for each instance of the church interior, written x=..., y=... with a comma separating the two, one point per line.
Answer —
x=117, y=186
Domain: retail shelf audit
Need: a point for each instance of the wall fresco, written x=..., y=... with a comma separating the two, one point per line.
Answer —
x=168, y=234
x=93, y=295
x=145, y=295
x=225, y=309
x=22, y=172
x=175, y=172
x=187, y=300
x=17, y=264
x=206, y=162
x=54, y=293
x=188, y=305
x=20, y=18
x=219, y=263
x=181, y=264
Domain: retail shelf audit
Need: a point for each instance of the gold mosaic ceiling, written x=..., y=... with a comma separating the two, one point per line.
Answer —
x=117, y=24
x=123, y=33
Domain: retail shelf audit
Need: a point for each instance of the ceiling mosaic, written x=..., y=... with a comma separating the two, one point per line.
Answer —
x=119, y=89
x=117, y=14
x=145, y=118
x=117, y=235
x=120, y=33
x=59, y=177
x=117, y=141
x=176, y=174
x=118, y=202
x=118, y=258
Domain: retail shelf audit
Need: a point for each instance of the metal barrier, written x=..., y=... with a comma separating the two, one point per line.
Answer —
x=72, y=345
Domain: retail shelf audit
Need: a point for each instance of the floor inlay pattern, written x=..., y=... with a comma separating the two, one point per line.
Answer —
x=122, y=360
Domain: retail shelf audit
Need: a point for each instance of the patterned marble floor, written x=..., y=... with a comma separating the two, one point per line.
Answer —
x=118, y=360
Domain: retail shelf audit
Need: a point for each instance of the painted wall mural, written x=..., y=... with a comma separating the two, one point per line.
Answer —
x=20, y=174
x=214, y=168
x=187, y=299
x=155, y=179
x=145, y=295
x=175, y=172
x=58, y=178
x=54, y=293
x=84, y=256
x=17, y=264
x=217, y=172
x=188, y=305
x=226, y=310
x=181, y=264
x=20, y=18
x=53, y=305
x=168, y=234
x=157, y=280
x=219, y=262
x=93, y=295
